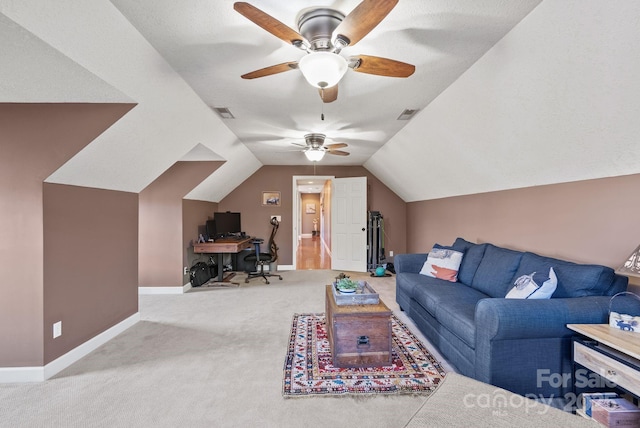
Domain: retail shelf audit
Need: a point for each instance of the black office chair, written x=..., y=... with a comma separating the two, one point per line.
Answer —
x=260, y=259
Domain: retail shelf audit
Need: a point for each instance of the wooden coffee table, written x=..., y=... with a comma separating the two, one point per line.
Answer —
x=359, y=335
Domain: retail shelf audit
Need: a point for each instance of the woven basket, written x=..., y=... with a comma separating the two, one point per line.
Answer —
x=624, y=322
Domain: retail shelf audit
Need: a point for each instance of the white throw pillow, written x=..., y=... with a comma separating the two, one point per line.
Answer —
x=442, y=263
x=525, y=287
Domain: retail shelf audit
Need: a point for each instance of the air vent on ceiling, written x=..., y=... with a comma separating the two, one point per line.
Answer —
x=407, y=114
x=223, y=112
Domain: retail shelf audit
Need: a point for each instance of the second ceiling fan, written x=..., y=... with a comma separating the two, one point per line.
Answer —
x=323, y=33
x=315, y=149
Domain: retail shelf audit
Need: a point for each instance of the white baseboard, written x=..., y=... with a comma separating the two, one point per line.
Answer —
x=187, y=286
x=40, y=374
x=163, y=290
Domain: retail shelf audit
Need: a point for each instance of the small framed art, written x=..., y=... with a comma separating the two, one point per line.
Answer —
x=271, y=198
x=311, y=208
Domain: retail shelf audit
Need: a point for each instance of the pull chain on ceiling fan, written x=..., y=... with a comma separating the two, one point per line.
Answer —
x=323, y=33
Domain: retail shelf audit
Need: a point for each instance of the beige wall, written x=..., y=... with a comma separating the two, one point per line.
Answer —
x=307, y=218
x=591, y=221
x=246, y=199
x=162, y=254
x=194, y=216
x=35, y=140
x=90, y=263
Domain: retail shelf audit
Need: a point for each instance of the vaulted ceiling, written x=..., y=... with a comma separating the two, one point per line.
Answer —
x=508, y=93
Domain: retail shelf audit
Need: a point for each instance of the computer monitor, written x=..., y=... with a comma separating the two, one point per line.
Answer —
x=227, y=223
x=211, y=229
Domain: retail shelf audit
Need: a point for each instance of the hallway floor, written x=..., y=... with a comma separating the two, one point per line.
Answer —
x=311, y=254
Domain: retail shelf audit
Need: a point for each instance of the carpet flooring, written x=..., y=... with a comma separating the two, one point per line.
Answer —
x=215, y=359
x=309, y=368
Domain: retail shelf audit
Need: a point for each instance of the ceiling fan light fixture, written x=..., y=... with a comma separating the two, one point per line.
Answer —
x=323, y=69
x=314, y=155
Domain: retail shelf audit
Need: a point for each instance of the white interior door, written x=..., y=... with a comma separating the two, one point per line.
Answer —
x=349, y=224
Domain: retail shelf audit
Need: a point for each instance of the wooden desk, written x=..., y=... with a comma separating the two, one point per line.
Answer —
x=220, y=247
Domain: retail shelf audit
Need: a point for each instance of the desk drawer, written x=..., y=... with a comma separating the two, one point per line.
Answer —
x=607, y=367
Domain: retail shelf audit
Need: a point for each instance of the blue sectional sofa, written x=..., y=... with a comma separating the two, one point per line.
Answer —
x=521, y=345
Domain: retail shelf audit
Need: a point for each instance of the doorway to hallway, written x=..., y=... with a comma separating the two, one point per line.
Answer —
x=312, y=250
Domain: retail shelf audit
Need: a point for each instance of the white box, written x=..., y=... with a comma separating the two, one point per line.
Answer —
x=615, y=412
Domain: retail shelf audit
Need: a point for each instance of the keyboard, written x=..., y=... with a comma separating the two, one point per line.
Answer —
x=234, y=238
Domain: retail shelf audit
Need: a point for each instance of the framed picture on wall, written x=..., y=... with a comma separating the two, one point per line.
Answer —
x=310, y=209
x=271, y=198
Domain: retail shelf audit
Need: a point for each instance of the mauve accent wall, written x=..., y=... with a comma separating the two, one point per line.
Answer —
x=90, y=263
x=35, y=139
x=592, y=221
x=161, y=257
x=194, y=217
x=246, y=199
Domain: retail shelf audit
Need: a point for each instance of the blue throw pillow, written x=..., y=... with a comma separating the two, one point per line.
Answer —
x=496, y=271
x=574, y=280
x=472, y=256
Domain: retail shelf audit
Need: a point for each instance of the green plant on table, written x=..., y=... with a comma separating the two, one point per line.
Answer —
x=347, y=283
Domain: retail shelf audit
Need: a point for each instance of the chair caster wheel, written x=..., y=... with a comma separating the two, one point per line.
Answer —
x=280, y=278
x=246, y=280
x=266, y=282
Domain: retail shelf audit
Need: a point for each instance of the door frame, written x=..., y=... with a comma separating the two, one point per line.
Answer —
x=296, y=207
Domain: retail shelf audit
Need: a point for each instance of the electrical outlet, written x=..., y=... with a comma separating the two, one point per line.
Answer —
x=57, y=329
x=278, y=217
x=390, y=253
x=186, y=271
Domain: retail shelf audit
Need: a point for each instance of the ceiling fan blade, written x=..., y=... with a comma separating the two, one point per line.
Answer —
x=363, y=19
x=336, y=146
x=269, y=23
x=299, y=145
x=329, y=95
x=381, y=66
x=274, y=69
x=337, y=152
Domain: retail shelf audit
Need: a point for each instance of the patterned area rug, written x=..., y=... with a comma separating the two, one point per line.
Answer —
x=308, y=368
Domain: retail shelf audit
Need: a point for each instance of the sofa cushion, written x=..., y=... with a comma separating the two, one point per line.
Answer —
x=496, y=271
x=442, y=263
x=534, y=286
x=470, y=261
x=433, y=293
x=407, y=282
x=458, y=316
x=574, y=280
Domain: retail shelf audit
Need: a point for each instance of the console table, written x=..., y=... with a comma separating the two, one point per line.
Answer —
x=613, y=354
x=220, y=247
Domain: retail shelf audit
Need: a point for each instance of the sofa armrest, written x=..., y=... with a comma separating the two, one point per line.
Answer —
x=505, y=319
x=411, y=263
x=521, y=343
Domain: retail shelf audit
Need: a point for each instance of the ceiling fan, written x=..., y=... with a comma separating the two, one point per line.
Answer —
x=314, y=149
x=323, y=33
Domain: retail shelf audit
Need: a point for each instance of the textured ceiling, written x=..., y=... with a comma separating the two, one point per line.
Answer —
x=210, y=45
x=509, y=93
